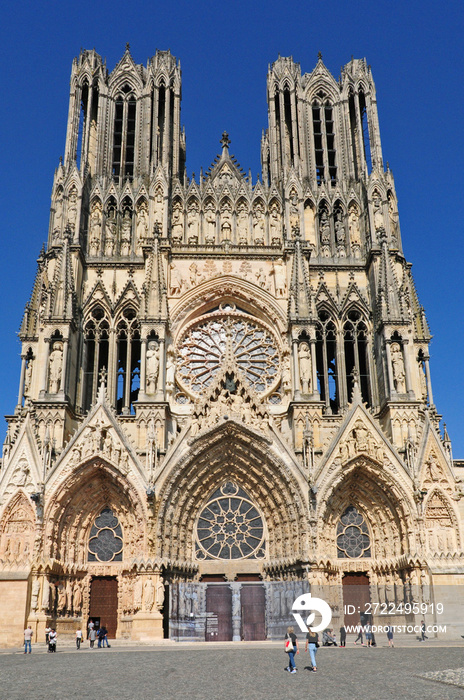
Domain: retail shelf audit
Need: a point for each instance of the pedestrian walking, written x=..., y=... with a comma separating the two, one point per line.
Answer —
x=360, y=635
x=47, y=632
x=368, y=634
x=343, y=636
x=78, y=638
x=105, y=637
x=423, y=635
x=312, y=644
x=52, y=641
x=390, y=636
x=92, y=637
x=28, y=634
x=291, y=647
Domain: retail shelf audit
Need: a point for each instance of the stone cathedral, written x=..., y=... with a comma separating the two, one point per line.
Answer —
x=225, y=397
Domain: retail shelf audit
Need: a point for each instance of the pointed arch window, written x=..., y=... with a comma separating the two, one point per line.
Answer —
x=353, y=540
x=356, y=354
x=326, y=362
x=125, y=114
x=324, y=141
x=96, y=352
x=128, y=361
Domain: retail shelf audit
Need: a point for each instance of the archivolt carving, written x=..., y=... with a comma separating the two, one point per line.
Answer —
x=231, y=453
x=80, y=500
x=17, y=530
x=441, y=523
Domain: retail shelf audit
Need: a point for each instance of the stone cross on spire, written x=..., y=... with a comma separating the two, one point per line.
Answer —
x=225, y=141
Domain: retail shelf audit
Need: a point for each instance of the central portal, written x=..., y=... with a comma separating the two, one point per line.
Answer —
x=104, y=602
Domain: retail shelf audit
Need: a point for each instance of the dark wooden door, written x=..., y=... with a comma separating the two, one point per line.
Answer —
x=356, y=598
x=104, y=602
x=219, y=614
x=253, y=603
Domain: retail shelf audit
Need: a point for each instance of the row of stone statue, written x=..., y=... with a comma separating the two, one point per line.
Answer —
x=62, y=598
x=233, y=405
x=141, y=593
x=113, y=234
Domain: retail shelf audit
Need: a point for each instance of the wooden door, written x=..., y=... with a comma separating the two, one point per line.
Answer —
x=356, y=597
x=253, y=603
x=104, y=602
x=219, y=614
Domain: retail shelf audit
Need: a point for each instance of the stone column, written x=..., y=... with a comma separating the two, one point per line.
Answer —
x=428, y=379
x=312, y=347
x=21, y=381
x=236, y=612
x=162, y=365
x=391, y=385
x=64, y=371
x=43, y=380
x=296, y=369
x=407, y=370
x=143, y=365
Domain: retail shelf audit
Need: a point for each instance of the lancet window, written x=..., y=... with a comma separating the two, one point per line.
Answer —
x=353, y=540
x=324, y=142
x=128, y=361
x=359, y=127
x=356, y=354
x=326, y=362
x=96, y=352
x=125, y=110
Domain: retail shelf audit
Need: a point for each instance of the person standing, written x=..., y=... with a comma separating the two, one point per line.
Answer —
x=343, y=636
x=52, y=641
x=92, y=637
x=291, y=649
x=312, y=644
x=78, y=638
x=390, y=636
x=105, y=636
x=90, y=627
x=28, y=634
x=47, y=632
x=368, y=633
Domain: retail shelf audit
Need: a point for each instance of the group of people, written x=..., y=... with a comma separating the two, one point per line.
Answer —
x=50, y=639
x=51, y=636
x=292, y=648
x=93, y=634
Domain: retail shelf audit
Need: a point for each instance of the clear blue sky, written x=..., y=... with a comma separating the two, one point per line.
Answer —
x=414, y=48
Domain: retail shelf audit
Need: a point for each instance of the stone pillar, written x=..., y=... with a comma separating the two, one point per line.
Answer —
x=391, y=385
x=236, y=612
x=64, y=371
x=312, y=347
x=43, y=379
x=296, y=369
x=428, y=379
x=407, y=370
x=162, y=365
x=143, y=365
x=21, y=381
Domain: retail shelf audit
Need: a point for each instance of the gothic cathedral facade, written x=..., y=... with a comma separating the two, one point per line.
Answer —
x=225, y=397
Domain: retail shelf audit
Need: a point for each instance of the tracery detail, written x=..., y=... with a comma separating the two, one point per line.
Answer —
x=230, y=526
x=353, y=541
x=105, y=542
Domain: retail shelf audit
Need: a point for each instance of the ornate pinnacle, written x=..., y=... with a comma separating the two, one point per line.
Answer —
x=319, y=55
x=127, y=47
x=225, y=140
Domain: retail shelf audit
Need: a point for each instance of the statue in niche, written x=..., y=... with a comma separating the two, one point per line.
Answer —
x=142, y=225
x=226, y=222
x=177, y=230
x=304, y=359
x=286, y=379
x=309, y=223
x=95, y=229
x=158, y=212
x=434, y=472
x=355, y=233
x=258, y=224
x=324, y=229
x=72, y=209
x=149, y=593
x=393, y=219
x=210, y=219
x=159, y=596
x=176, y=281
x=28, y=377
x=242, y=224
x=192, y=223
x=294, y=215
x=275, y=224
x=35, y=595
x=423, y=380
x=280, y=278
x=58, y=219
x=138, y=592
x=126, y=233
x=361, y=437
x=398, y=368
x=152, y=366
x=55, y=365
x=110, y=236
x=377, y=212
x=77, y=598
x=62, y=599
x=340, y=233
x=170, y=372
x=46, y=595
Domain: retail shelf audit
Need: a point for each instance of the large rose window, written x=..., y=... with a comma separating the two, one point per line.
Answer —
x=230, y=526
x=353, y=539
x=204, y=347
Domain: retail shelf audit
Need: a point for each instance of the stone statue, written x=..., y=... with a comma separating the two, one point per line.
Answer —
x=377, y=211
x=275, y=229
x=149, y=593
x=159, y=597
x=152, y=367
x=258, y=225
x=242, y=224
x=177, y=230
x=159, y=209
x=126, y=233
x=294, y=216
x=393, y=219
x=340, y=233
x=354, y=231
x=176, y=281
x=35, y=594
x=55, y=368
x=72, y=209
x=95, y=229
x=142, y=225
x=58, y=219
x=309, y=223
x=286, y=375
x=138, y=591
x=77, y=598
x=324, y=231
x=170, y=372
x=192, y=222
x=304, y=358
x=210, y=219
x=226, y=225
x=280, y=278
x=398, y=368
x=46, y=595
x=62, y=599
x=110, y=236
x=28, y=377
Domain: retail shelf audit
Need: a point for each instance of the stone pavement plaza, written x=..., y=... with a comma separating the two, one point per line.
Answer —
x=232, y=672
